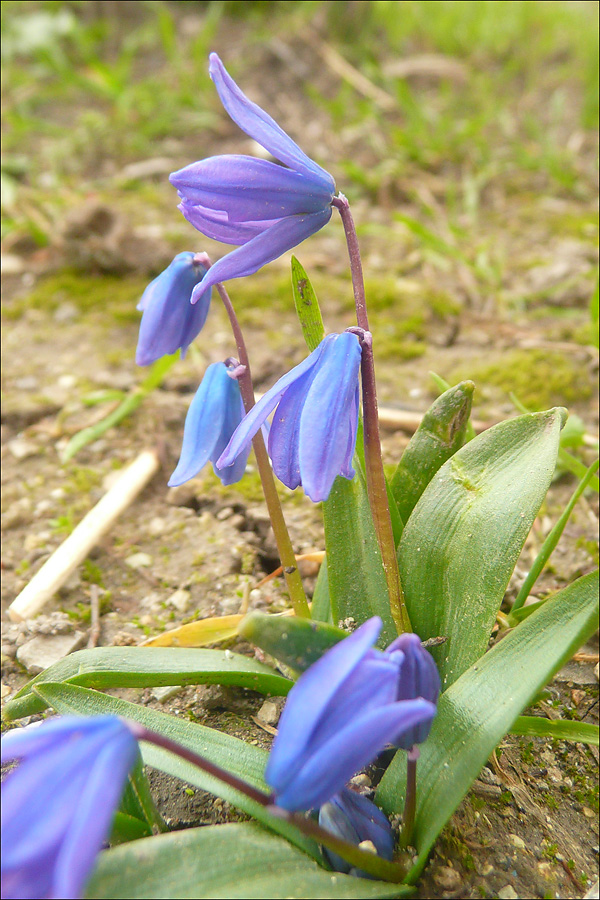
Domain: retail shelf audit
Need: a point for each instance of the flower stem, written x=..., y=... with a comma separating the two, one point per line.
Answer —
x=376, y=486
x=362, y=859
x=410, y=804
x=282, y=538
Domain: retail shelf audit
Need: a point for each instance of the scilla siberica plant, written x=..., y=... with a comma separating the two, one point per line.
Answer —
x=419, y=562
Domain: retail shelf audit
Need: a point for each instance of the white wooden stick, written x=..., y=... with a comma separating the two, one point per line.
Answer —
x=84, y=536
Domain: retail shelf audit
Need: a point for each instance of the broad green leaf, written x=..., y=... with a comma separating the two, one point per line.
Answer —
x=557, y=729
x=244, y=760
x=477, y=711
x=228, y=861
x=307, y=306
x=442, y=386
x=119, y=667
x=294, y=641
x=357, y=585
x=463, y=539
x=440, y=434
x=550, y=543
x=128, y=828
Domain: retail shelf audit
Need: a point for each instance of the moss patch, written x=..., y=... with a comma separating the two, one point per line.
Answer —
x=539, y=378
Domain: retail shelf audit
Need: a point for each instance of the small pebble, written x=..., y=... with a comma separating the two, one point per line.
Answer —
x=448, y=879
x=41, y=651
x=21, y=449
x=138, y=560
x=508, y=893
x=180, y=600
x=269, y=713
x=517, y=841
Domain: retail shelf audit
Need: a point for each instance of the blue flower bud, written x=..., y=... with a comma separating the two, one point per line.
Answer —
x=213, y=416
x=355, y=819
x=170, y=322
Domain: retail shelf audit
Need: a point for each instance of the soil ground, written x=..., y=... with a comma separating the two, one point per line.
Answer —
x=472, y=271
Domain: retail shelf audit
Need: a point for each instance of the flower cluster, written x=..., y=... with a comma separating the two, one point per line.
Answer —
x=339, y=715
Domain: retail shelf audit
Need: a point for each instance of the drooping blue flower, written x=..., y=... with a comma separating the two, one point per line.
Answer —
x=418, y=677
x=213, y=416
x=264, y=207
x=313, y=434
x=169, y=321
x=59, y=802
x=340, y=713
x=354, y=818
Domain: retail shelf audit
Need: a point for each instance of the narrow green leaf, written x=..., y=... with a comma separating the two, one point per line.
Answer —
x=307, y=306
x=551, y=541
x=119, y=667
x=244, y=760
x=320, y=610
x=126, y=407
x=357, y=585
x=238, y=860
x=557, y=729
x=128, y=828
x=441, y=433
x=296, y=642
x=463, y=539
x=477, y=711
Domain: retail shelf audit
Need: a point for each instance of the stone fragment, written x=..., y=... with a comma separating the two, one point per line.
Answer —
x=448, y=879
x=162, y=694
x=42, y=651
x=269, y=713
x=517, y=841
x=508, y=893
x=180, y=600
x=138, y=560
x=21, y=448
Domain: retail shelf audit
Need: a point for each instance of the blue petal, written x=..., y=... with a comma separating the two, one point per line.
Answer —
x=283, y=437
x=309, y=698
x=326, y=417
x=169, y=321
x=265, y=406
x=333, y=764
x=266, y=247
x=249, y=189
x=234, y=413
x=203, y=423
x=347, y=469
x=256, y=123
x=215, y=224
x=354, y=818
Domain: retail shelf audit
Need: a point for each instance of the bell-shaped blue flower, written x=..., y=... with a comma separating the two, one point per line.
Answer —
x=354, y=818
x=169, y=320
x=340, y=713
x=213, y=416
x=58, y=803
x=313, y=433
x=264, y=207
x=418, y=677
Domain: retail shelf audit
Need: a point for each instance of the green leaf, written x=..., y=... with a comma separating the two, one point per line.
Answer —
x=442, y=386
x=463, y=539
x=244, y=760
x=557, y=729
x=477, y=711
x=294, y=641
x=128, y=828
x=307, y=306
x=320, y=610
x=234, y=861
x=119, y=667
x=357, y=585
x=440, y=434
x=550, y=543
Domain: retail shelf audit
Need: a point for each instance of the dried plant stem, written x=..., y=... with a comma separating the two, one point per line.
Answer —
x=282, y=538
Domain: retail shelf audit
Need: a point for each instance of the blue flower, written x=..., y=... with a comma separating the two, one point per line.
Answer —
x=266, y=208
x=418, y=677
x=313, y=434
x=169, y=321
x=58, y=804
x=355, y=819
x=340, y=713
x=213, y=416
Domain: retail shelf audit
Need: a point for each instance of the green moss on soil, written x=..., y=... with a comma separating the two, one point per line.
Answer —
x=539, y=378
